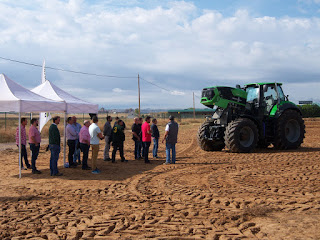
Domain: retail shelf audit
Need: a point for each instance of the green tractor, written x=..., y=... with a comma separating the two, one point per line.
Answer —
x=257, y=115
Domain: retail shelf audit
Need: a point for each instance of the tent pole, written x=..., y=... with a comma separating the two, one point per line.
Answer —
x=20, y=145
x=64, y=139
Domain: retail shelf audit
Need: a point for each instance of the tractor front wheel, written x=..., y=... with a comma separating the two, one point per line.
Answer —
x=241, y=135
x=204, y=140
x=290, y=130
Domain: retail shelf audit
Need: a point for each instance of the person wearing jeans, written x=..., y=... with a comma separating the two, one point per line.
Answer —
x=71, y=141
x=24, y=155
x=170, y=147
x=171, y=137
x=155, y=136
x=107, y=129
x=136, y=130
x=54, y=146
x=55, y=151
x=84, y=138
x=34, y=141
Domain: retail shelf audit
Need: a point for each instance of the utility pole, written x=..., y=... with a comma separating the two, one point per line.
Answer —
x=194, y=109
x=139, y=92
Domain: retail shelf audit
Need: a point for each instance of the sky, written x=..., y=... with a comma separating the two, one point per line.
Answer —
x=176, y=47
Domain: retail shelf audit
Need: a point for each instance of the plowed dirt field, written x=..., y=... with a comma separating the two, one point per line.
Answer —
x=267, y=194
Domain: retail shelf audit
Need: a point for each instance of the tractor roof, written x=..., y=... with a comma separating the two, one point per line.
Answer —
x=263, y=83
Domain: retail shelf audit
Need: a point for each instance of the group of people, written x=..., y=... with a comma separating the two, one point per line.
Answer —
x=34, y=142
x=81, y=138
x=142, y=133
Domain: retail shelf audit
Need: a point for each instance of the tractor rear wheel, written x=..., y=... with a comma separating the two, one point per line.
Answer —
x=203, y=141
x=241, y=135
x=290, y=130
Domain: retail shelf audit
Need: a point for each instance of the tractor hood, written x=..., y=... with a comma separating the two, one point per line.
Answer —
x=221, y=96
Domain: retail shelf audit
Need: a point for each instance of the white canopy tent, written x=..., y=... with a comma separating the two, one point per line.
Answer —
x=15, y=98
x=73, y=104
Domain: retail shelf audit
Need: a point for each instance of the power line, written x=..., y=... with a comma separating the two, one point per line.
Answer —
x=155, y=85
x=65, y=70
x=163, y=87
x=86, y=73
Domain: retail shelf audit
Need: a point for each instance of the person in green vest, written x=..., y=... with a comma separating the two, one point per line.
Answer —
x=117, y=138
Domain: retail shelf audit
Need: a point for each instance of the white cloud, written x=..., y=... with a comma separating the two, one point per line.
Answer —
x=118, y=90
x=177, y=46
x=177, y=93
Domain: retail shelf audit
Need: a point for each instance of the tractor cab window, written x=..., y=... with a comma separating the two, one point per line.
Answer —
x=270, y=97
x=280, y=92
x=252, y=94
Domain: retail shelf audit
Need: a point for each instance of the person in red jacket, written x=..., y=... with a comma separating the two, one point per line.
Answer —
x=146, y=138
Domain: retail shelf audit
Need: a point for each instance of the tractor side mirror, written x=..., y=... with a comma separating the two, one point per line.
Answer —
x=287, y=97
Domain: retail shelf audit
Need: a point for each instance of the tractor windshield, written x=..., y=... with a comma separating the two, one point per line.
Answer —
x=253, y=93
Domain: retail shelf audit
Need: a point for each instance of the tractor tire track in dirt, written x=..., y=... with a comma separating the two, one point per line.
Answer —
x=205, y=195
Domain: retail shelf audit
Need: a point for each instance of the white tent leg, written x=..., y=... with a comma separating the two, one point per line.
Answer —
x=20, y=145
x=64, y=139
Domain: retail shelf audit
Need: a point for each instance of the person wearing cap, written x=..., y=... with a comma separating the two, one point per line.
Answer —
x=171, y=137
x=84, y=138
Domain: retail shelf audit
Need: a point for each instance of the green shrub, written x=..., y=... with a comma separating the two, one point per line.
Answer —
x=310, y=110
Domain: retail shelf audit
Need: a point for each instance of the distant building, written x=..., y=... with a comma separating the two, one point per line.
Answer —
x=305, y=102
x=188, y=113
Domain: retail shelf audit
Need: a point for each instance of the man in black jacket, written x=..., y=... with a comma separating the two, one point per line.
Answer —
x=118, y=138
x=155, y=136
x=136, y=136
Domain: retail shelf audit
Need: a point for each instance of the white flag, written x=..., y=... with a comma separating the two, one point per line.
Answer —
x=44, y=116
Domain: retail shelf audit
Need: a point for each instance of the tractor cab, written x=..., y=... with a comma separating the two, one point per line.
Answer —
x=262, y=97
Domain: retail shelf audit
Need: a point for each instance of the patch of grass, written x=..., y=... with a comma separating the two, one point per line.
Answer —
x=7, y=135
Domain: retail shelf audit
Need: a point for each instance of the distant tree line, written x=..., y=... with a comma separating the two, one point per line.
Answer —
x=310, y=110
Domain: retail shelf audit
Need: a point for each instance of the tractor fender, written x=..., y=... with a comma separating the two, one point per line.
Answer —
x=285, y=106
